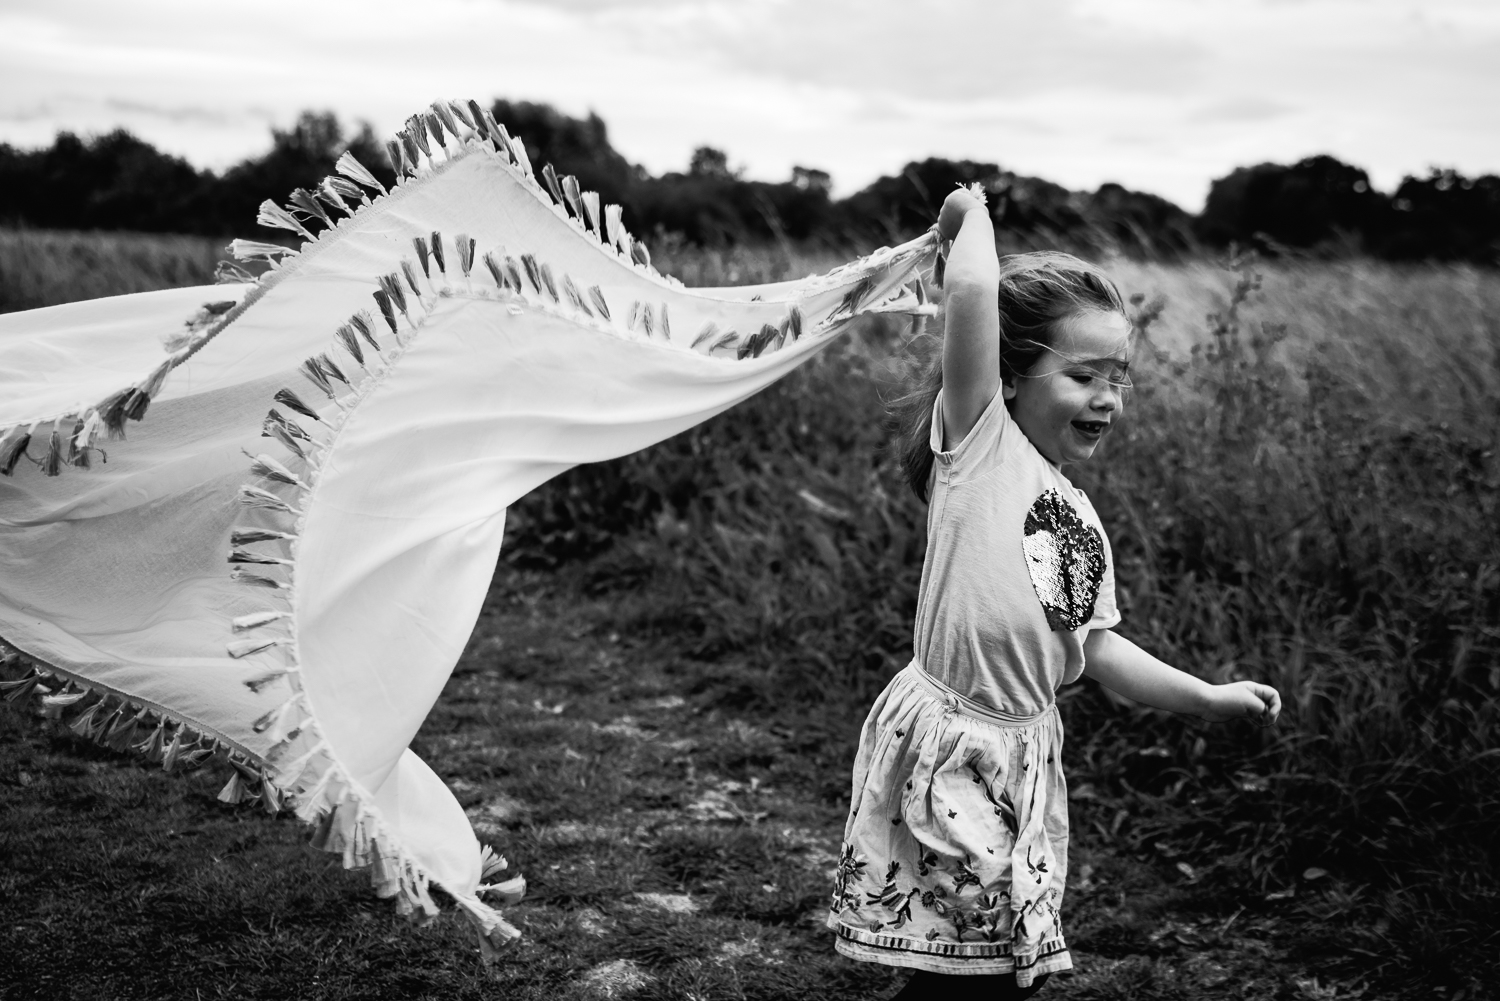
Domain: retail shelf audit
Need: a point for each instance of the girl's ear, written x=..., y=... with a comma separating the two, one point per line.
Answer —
x=1008, y=387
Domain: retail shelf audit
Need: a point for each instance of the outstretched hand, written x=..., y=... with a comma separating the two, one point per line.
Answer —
x=1242, y=699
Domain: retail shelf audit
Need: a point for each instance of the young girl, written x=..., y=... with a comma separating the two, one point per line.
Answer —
x=955, y=854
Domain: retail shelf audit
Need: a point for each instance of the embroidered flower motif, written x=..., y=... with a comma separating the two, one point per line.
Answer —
x=1065, y=559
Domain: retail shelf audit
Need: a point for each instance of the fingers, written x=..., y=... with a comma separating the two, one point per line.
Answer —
x=958, y=204
x=1270, y=700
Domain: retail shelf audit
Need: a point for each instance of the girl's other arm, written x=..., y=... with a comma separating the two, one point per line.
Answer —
x=1121, y=666
x=971, y=309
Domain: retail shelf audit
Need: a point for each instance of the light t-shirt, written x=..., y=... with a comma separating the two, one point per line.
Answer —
x=1018, y=569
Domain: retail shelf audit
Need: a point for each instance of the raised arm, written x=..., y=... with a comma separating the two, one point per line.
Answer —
x=971, y=331
x=1121, y=666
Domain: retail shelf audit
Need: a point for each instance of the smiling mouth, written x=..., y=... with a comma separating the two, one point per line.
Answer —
x=1092, y=430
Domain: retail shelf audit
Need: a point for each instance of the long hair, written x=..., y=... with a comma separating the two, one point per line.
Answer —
x=1038, y=291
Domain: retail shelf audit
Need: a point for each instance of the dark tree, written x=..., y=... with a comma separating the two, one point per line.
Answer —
x=1317, y=200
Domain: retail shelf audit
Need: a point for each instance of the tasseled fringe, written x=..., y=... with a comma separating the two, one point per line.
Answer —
x=293, y=402
x=331, y=192
x=243, y=576
x=493, y=266
x=548, y=283
x=257, y=619
x=709, y=332
x=355, y=171
x=315, y=374
x=597, y=295
x=438, y=255
x=84, y=432
x=387, y=311
x=365, y=324
x=264, y=465
x=257, y=683
x=465, y=246
x=52, y=462
x=246, y=556
x=257, y=497
x=275, y=217
x=397, y=155
x=303, y=201
x=253, y=250
x=12, y=450
x=549, y=177
x=575, y=298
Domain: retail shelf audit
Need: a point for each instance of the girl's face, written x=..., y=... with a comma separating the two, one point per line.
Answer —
x=1071, y=397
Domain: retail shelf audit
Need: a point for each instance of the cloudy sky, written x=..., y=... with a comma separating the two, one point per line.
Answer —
x=1160, y=95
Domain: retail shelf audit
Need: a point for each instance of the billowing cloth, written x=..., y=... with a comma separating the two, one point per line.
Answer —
x=346, y=432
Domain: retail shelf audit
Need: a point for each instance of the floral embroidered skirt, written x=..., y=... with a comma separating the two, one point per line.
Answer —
x=955, y=854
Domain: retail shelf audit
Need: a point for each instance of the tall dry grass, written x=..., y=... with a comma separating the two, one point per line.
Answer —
x=45, y=268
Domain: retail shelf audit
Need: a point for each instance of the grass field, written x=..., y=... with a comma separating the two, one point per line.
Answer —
x=655, y=716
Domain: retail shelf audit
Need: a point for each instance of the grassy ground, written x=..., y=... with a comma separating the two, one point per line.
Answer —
x=676, y=834
x=655, y=717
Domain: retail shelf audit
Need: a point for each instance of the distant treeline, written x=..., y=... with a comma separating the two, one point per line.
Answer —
x=117, y=181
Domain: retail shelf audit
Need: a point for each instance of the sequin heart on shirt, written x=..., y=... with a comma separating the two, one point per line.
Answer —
x=1065, y=558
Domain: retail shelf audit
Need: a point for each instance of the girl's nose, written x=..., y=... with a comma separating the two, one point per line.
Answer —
x=1108, y=399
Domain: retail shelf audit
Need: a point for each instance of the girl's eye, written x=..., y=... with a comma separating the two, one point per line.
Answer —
x=1082, y=378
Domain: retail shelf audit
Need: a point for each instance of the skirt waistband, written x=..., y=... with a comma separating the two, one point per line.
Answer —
x=968, y=707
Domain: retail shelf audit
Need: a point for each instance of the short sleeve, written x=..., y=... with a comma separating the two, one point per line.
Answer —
x=985, y=445
x=1106, y=610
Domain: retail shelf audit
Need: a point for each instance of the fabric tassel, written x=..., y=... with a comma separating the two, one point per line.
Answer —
x=347, y=189
x=327, y=365
x=392, y=285
x=575, y=204
x=397, y=156
x=53, y=705
x=355, y=171
x=275, y=217
x=122, y=729
x=52, y=462
x=274, y=418
x=468, y=113
x=575, y=298
x=259, y=559
x=501, y=138
x=350, y=341
x=614, y=227
x=84, y=724
x=243, y=576
x=648, y=321
x=435, y=129
x=795, y=324
x=596, y=294
x=274, y=717
x=244, y=648
x=509, y=891
x=416, y=127
x=639, y=254
x=412, y=149
x=315, y=374
x=254, y=250
x=325, y=833
x=438, y=255
x=293, y=402
x=939, y=266
x=255, y=620
x=256, y=684
x=523, y=160
x=551, y=286
x=494, y=931
x=303, y=201
x=365, y=324
x=635, y=315
x=152, y=747
x=173, y=752
x=264, y=465
x=445, y=116
x=84, y=433
x=11, y=453
x=709, y=332
x=420, y=244
x=270, y=796
x=330, y=196
x=465, y=245
x=549, y=177
x=279, y=432
x=309, y=797
x=256, y=497
x=494, y=269
x=533, y=273
x=666, y=324
x=15, y=691
x=513, y=269
x=728, y=338
x=409, y=271
x=591, y=214
x=227, y=273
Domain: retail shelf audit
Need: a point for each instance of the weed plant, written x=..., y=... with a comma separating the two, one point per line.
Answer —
x=1304, y=492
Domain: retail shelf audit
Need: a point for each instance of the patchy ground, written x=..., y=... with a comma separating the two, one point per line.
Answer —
x=676, y=830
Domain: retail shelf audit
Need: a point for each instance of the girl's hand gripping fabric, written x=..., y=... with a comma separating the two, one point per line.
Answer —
x=971, y=310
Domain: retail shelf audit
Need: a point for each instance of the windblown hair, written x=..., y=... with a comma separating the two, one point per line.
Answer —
x=1038, y=291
